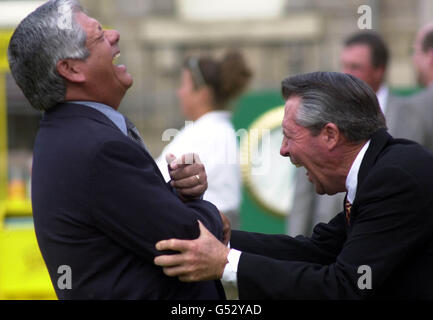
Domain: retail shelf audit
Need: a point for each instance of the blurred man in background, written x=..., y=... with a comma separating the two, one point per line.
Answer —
x=365, y=55
x=421, y=105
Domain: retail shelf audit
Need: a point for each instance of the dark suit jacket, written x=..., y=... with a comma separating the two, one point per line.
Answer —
x=391, y=231
x=100, y=204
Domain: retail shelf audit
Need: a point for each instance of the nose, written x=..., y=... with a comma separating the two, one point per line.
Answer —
x=113, y=36
x=284, y=150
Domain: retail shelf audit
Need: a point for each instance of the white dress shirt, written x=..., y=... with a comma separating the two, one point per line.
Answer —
x=213, y=138
x=231, y=268
x=352, y=177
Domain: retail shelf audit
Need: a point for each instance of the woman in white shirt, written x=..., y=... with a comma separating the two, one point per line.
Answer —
x=207, y=88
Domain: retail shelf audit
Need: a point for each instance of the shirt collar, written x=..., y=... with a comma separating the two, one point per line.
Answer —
x=352, y=177
x=382, y=96
x=116, y=117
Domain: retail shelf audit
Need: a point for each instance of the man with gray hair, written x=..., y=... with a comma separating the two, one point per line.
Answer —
x=99, y=201
x=364, y=55
x=379, y=246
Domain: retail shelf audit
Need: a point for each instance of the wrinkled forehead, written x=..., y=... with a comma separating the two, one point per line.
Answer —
x=291, y=109
x=292, y=104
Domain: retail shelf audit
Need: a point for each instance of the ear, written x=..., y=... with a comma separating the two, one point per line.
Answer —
x=330, y=136
x=71, y=70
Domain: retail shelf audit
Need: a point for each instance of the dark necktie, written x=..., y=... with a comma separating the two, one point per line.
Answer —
x=347, y=209
x=134, y=134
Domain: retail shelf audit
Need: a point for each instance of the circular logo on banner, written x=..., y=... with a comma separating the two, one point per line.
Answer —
x=269, y=177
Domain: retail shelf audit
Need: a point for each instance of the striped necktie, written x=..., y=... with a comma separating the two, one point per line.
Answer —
x=134, y=134
x=347, y=209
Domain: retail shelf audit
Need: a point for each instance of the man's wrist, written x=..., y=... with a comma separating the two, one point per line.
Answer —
x=226, y=253
x=231, y=268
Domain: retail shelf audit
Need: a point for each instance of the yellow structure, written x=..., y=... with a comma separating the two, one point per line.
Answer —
x=23, y=274
x=4, y=67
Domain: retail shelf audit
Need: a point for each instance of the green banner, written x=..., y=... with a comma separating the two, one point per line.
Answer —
x=254, y=216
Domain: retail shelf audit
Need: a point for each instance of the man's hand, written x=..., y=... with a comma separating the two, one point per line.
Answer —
x=199, y=260
x=188, y=175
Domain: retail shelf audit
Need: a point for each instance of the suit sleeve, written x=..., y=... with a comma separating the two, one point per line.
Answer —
x=323, y=247
x=136, y=208
x=392, y=220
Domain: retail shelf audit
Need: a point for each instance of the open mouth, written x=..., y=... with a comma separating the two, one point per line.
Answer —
x=116, y=58
x=310, y=178
x=297, y=165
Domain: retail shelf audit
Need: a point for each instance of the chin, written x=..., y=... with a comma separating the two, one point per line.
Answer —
x=330, y=193
x=125, y=87
x=320, y=190
x=129, y=82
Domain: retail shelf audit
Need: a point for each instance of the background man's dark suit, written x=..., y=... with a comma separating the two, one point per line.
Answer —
x=100, y=204
x=391, y=230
